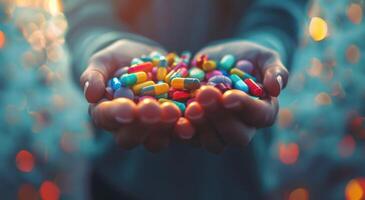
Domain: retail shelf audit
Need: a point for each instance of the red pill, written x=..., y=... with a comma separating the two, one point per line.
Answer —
x=200, y=60
x=180, y=95
x=254, y=88
x=146, y=67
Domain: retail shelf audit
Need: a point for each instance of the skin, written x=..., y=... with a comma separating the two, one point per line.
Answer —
x=148, y=122
x=231, y=119
x=213, y=122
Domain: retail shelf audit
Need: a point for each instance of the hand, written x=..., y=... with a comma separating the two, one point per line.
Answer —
x=231, y=118
x=148, y=122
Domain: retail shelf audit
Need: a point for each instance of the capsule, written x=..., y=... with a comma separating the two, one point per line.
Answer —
x=145, y=67
x=245, y=65
x=180, y=95
x=212, y=73
x=132, y=79
x=163, y=62
x=215, y=80
x=164, y=96
x=124, y=92
x=180, y=105
x=170, y=58
x=155, y=90
x=185, y=83
x=200, y=60
x=223, y=87
x=115, y=83
x=196, y=73
x=138, y=87
x=227, y=62
x=238, y=83
x=254, y=88
x=178, y=72
x=209, y=65
x=136, y=61
x=161, y=73
x=186, y=56
x=242, y=74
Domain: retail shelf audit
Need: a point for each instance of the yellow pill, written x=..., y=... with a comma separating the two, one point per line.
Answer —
x=137, y=88
x=243, y=75
x=154, y=90
x=161, y=73
x=209, y=65
x=185, y=83
x=170, y=58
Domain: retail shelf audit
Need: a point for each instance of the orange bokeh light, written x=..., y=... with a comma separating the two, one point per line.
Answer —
x=2, y=39
x=49, y=191
x=288, y=153
x=355, y=189
x=24, y=161
x=299, y=194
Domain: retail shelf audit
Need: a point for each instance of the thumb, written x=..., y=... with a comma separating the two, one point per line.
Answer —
x=93, y=83
x=275, y=79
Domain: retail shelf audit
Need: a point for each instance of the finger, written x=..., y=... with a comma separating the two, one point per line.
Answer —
x=267, y=61
x=183, y=129
x=93, y=84
x=207, y=135
x=110, y=115
x=233, y=131
x=254, y=112
x=158, y=140
x=275, y=78
x=128, y=136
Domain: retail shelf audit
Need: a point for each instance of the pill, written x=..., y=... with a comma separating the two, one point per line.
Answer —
x=180, y=73
x=124, y=92
x=219, y=79
x=170, y=57
x=245, y=65
x=209, y=65
x=185, y=83
x=196, y=73
x=186, y=56
x=145, y=58
x=136, y=61
x=115, y=83
x=212, y=73
x=138, y=87
x=238, y=83
x=200, y=60
x=180, y=95
x=180, y=105
x=161, y=73
x=227, y=62
x=242, y=74
x=254, y=88
x=145, y=67
x=155, y=90
x=132, y=79
x=163, y=62
x=164, y=95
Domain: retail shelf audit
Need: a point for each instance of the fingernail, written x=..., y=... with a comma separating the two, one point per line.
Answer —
x=280, y=81
x=86, y=86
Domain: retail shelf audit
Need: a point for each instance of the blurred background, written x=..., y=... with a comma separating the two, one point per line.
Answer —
x=46, y=138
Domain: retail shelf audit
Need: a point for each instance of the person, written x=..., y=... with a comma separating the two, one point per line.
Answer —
x=106, y=35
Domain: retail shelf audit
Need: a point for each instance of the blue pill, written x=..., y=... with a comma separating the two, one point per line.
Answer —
x=124, y=92
x=115, y=83
x=215, y=80
x=238, y=83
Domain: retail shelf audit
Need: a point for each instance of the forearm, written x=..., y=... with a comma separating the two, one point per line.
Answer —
x=274, y=24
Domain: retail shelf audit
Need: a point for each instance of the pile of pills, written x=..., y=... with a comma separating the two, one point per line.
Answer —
x=173, y=78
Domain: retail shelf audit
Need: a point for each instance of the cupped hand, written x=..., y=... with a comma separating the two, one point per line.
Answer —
x=230, y=119
x=147, y=122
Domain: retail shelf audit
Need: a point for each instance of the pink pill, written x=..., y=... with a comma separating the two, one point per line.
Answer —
x=213, y=73
x=245, y=66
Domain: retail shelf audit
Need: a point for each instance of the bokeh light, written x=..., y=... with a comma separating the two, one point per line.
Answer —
x=27, y=192
x=288, y=153
x=318, y=28
x=353, y=54
x=299, y=194
x=355, y=189
x=2, y=39
x=25, y=161
x=49, y=191
x=354, y=13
